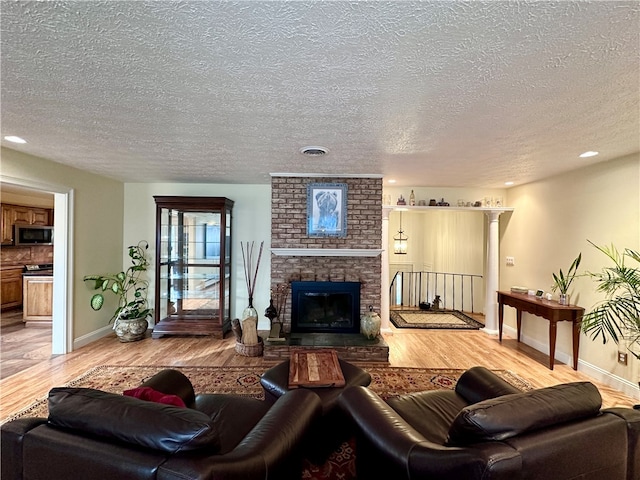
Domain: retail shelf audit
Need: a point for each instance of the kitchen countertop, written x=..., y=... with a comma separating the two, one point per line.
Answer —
x=12, y=267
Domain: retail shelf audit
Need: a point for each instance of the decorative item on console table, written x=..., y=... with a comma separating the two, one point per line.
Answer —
x=251, y=344
x=130, y=318
x=562, y=282
x=370, y=324
x=618, y=315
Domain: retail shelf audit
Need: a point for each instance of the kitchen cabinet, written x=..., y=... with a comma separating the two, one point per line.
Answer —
x=12, y=214
x=37, y=306
x=11, y=287
x=41, y=216
x=193, y=266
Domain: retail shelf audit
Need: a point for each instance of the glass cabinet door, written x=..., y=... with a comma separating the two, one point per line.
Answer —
x=193, y=267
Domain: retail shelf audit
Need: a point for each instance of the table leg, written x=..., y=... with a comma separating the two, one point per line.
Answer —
x=576, y=343
x=519, y=322
x=553, y=327
x=500, y=319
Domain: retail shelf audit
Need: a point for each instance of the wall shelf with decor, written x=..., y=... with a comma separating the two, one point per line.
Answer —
x=405, y=208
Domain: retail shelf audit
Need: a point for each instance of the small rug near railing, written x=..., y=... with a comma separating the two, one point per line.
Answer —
x=245, y=381
x=433, y=319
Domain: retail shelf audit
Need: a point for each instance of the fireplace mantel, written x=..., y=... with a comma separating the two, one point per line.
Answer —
x=326, y=252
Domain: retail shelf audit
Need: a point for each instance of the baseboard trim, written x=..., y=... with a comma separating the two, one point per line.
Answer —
x=489, y=332
x=625, y=386
x=92, y=337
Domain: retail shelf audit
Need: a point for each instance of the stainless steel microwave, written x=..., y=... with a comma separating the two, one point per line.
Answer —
x=32, y=234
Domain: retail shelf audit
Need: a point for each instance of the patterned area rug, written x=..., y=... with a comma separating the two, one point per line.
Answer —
x=245, y=381
x=433, y=319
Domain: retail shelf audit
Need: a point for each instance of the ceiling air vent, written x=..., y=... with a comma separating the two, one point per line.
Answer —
x=314, y=151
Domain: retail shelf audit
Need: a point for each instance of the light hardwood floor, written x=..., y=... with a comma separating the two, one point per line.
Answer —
x=408, y=348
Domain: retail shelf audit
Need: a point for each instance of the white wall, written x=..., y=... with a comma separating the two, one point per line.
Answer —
x=251, y=223
x=97, y=239
x=551, y=223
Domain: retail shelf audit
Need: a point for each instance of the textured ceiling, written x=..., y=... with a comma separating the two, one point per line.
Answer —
x=430, y=93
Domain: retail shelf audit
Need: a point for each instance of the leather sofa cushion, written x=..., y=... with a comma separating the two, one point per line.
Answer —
x=511, y=415
x=152, y=425
x=148, y=393
x=430, y=413
x=233, y=417
x=479, y=383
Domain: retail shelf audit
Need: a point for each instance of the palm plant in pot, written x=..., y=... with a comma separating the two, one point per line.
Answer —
x=562, y=281
x=617, y=316
x=130, y=317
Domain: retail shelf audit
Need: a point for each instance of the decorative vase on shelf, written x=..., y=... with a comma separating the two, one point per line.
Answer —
x=370, y=324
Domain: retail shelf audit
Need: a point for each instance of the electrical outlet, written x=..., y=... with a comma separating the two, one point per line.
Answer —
x=622, y=358
x=511, y=261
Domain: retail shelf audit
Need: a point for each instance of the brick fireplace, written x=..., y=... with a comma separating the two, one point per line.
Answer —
x=364, y=231
x=353, y=258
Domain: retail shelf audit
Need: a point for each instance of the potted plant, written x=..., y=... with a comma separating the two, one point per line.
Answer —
x=562, y=282
x=130, y=317
x=618, y=315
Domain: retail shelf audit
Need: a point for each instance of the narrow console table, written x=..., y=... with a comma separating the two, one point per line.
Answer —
x=549, y=309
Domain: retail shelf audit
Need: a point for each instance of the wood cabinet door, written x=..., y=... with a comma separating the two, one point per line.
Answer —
x=11, y=288
x=21, y=214
x=38, y=298
x=40, y=216
x=7, y=224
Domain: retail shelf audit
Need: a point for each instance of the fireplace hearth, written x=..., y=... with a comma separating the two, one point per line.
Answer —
x=325, y=307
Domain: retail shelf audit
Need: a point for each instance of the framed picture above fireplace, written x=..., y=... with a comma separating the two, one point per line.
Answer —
x=327, y=210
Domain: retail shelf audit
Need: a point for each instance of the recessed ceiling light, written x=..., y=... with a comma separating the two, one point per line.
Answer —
x=314, y=151
x=508, y=183
x=392, y=180
x=588, y=154
x=14, y=139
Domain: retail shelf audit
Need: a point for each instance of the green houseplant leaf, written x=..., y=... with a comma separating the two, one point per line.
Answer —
x=97, y=301
x=561, y=281
x=617, y=316
x=128, y=286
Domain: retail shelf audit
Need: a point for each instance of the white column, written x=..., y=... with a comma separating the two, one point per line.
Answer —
x=492, y=273
x=384, y=287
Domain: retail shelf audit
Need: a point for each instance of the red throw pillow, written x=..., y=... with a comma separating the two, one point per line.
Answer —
x=148, y=393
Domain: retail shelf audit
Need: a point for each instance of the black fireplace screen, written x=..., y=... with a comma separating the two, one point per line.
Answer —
x=332, y=307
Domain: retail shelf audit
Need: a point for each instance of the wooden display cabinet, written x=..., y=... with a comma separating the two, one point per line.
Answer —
x=193, y=266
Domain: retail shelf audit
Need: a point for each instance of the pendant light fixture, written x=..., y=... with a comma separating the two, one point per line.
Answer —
x=400, y=240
